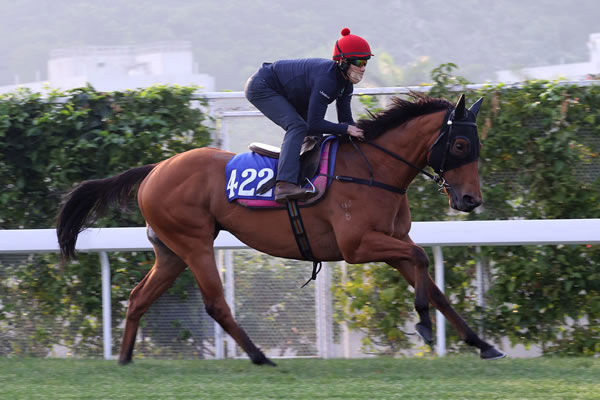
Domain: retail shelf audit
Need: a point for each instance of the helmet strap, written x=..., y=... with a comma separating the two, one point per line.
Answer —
x=342, y=62
x=339, y=50
x=344, y=66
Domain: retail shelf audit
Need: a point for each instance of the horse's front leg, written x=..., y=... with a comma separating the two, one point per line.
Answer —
x=441, y=302
x=377, y=246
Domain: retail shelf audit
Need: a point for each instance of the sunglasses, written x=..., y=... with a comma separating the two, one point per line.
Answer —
x=358, y=62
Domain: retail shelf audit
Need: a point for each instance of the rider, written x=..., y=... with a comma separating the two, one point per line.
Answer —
x=295, y=94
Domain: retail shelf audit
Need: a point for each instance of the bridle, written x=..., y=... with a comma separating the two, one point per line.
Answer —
x=445, y=138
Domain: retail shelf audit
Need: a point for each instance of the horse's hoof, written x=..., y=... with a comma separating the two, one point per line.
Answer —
x=492, y=354
x=425, y=334
x=261, y=359
x=269, y=363
x=266, y=361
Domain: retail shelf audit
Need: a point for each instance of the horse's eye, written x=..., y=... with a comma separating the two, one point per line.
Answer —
x=461, y=147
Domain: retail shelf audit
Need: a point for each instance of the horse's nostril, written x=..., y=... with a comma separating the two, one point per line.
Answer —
x=470, y=201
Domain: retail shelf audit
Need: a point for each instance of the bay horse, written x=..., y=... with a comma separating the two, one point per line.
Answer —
x=183, y=202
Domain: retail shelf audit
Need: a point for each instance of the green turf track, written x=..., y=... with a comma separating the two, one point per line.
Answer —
x=463, y=377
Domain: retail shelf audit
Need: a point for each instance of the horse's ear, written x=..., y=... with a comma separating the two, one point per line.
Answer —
x=459, y=110
x=476, y=106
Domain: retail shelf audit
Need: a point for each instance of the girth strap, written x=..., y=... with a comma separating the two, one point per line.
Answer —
x=302, y=239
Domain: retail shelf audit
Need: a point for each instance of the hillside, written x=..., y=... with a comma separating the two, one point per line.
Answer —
x=231, y=38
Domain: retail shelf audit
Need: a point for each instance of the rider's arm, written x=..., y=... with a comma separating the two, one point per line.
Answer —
x=320, y=98
x=345, y=115
x=344, y=111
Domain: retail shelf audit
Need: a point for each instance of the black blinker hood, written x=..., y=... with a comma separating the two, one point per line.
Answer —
x=458, y=123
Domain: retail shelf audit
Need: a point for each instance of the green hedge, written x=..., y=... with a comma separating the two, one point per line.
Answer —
x=50, y=143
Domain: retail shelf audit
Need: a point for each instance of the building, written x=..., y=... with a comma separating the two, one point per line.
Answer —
x=110, y=68
x=572, y=72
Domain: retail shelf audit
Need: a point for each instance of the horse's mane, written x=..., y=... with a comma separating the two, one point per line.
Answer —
x=401, y=111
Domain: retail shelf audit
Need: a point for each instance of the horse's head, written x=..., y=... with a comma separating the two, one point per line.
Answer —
x=455, y=154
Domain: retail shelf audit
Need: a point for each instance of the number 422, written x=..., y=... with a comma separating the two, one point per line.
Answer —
x=249, y=175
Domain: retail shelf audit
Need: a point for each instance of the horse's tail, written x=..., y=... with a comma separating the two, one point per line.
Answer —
x=89, y=200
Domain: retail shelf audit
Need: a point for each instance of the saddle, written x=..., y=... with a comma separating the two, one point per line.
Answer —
x=246, y=173
x=310, y=155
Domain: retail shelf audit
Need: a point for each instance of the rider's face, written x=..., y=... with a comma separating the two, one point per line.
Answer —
x=355, y=74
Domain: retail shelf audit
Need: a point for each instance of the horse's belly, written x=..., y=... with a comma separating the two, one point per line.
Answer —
x=271, y=232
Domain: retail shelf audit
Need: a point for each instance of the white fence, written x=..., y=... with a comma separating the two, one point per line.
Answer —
x=434, y=234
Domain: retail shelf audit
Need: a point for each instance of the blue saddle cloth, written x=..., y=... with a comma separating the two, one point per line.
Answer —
x=246, y=172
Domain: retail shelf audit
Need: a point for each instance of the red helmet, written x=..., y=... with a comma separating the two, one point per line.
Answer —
x=351, y=46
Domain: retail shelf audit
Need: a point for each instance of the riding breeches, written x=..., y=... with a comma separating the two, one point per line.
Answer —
x=279, y=110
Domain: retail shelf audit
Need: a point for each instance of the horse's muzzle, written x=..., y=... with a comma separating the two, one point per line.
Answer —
x=469, y=203
x=465, y=203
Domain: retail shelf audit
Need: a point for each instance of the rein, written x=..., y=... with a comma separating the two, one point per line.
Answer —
x=371, y=182
x=438, y=165
x=438, y=178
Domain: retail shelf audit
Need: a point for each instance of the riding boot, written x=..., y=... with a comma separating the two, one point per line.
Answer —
x=285, y=191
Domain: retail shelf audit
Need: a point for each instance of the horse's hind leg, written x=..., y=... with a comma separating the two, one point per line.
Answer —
x=167, y=267
x=202, y=264
x=440, y=301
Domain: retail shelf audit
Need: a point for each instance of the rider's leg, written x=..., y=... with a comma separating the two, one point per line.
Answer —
x=288, y=167
x=279, y=110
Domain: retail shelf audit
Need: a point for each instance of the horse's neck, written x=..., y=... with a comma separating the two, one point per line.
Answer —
x=411, y=141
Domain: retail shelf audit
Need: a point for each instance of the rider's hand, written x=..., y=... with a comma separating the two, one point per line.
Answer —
x=355, y=132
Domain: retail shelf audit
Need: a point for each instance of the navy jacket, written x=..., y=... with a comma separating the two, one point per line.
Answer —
x=310, y=85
